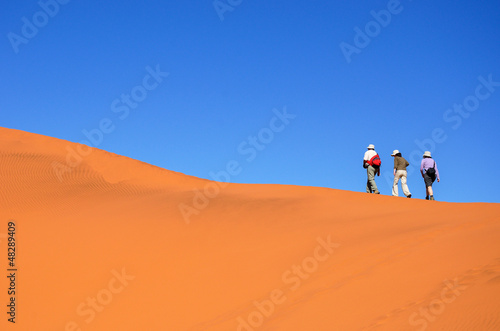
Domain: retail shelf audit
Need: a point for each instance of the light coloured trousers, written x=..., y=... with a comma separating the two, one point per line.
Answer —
x=400, y=174
x=371, y=186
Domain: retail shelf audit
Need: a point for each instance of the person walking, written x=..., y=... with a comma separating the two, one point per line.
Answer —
x=371, y=162
x=400, y=165
x=429, y=171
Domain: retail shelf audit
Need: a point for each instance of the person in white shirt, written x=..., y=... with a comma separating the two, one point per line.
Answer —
x=371, y=186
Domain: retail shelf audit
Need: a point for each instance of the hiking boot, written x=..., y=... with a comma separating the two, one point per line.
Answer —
x=377, y=192
x=426, y=197
x=431, y=198
x=409, y=196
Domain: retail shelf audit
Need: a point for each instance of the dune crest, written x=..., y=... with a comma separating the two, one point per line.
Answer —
x=102, y=244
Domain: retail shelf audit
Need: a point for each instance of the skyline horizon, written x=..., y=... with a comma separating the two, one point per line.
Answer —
x=75, y=157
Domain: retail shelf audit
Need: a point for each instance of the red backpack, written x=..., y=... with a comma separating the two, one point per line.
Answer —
x=375, y=161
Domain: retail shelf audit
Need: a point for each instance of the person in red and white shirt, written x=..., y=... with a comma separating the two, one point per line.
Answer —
x=371, y=186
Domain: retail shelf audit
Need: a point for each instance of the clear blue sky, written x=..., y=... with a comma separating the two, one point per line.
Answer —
x=390, y=85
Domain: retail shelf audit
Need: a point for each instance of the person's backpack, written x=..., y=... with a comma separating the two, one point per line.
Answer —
x=375, y=161
x=431, y=172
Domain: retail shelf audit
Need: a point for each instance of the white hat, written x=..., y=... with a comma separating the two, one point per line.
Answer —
x=427, y=153
x=371, y=146
x=394, y=152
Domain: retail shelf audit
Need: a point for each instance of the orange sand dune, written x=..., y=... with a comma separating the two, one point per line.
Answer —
x=104, y=242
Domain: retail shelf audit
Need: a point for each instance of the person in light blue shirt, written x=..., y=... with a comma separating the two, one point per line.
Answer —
x=429, y=171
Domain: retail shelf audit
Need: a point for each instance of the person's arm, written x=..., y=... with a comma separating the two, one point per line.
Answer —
x=395, y=165
x=437, y=172
x=365, y=162
x=422, y=167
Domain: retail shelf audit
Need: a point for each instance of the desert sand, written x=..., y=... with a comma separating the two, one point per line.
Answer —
x=105, y=242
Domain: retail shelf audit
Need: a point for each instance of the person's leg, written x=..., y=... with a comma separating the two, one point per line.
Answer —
x=431, y=192
x=428, y=186
x=368, y=186
x=406, y=191
x=429, y=189
x=371, y=179
x=395, y=185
